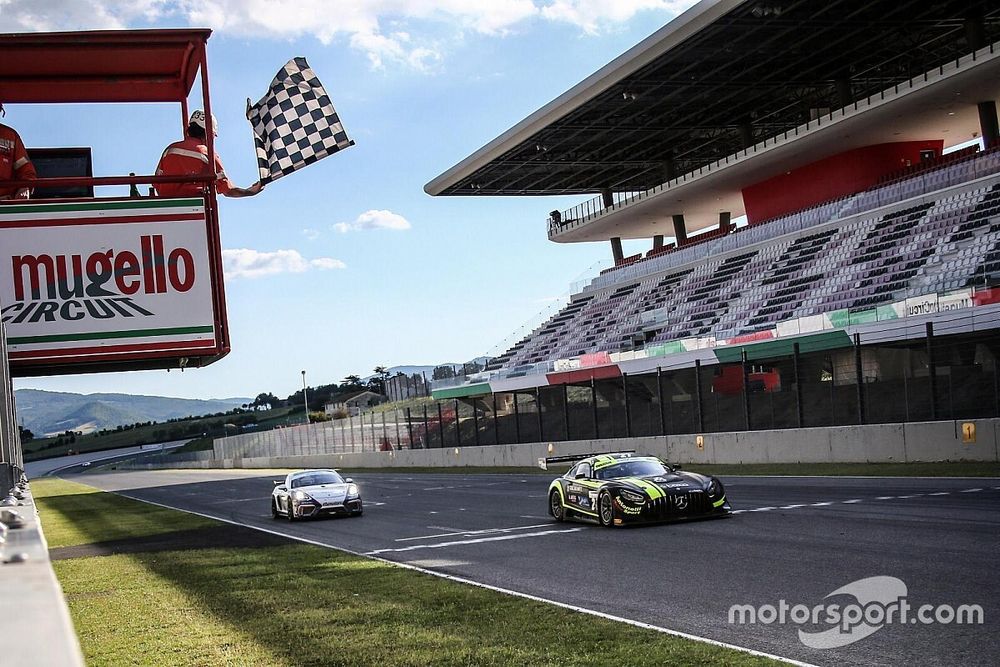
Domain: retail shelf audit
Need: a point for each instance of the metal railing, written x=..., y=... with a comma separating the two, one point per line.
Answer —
x=11, y=456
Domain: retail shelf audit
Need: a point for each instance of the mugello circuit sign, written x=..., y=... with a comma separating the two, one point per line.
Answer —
x=115, y=279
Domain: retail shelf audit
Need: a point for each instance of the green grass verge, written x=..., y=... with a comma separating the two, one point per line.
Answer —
x=74, y=514
x=305, y=605
x=956, y=469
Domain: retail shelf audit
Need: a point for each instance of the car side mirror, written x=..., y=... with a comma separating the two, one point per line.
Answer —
x=348, y=480
x=279, y=482
x=580, y=475
x=677, y=467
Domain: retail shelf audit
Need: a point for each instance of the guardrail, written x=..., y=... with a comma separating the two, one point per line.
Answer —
x=11, y=456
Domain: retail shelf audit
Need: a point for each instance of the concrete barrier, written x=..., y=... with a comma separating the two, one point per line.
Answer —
x=870, y=443
x=36, y=624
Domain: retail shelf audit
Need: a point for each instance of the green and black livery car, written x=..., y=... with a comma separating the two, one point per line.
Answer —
x=623, y=488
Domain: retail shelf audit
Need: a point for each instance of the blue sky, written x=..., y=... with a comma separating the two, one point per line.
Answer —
x=356, y=265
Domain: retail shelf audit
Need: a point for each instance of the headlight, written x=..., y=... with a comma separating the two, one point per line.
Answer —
x=352, y=490
x=632, y=497
x=300, y=495
x=714, y=487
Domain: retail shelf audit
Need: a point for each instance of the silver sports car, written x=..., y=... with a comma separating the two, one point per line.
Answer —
x=312, y=493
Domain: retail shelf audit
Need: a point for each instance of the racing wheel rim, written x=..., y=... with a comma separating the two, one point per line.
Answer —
x=606, y=510
x=555, y=506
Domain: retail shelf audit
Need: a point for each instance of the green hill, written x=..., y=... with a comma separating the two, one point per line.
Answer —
x=52, y=412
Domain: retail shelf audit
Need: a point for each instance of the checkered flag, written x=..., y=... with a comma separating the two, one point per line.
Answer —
x=295, y=123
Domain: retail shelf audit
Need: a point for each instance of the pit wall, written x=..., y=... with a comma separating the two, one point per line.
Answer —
x=875, y=443
x=37, y=629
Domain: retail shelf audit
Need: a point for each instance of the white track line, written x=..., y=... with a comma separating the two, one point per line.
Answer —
x=497, y=589
x=478, y=540
x=483, y=531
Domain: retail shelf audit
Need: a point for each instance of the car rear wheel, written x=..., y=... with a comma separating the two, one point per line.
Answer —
x=556, y=508
x=605, y=509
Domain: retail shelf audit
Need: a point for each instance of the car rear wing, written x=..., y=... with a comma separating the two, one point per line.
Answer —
x=544, y=462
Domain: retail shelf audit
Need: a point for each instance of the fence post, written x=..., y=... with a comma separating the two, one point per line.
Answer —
x=427, y=388
x=440, y=423
x=538, y=407
x=593, y=405
x=496, y=422
x=395, y=418
x=409, y=427
x=566, y=408
x=628, y=412
x=659, y=400
x=746, y=388
x=517, y=421
x=427, y=431
x=475, y=420
x=932, y=370
x=859, y=377
x=697, y=395
x=798, y=385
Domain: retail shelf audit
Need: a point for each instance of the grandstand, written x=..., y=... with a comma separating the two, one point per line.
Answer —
x=868, y=236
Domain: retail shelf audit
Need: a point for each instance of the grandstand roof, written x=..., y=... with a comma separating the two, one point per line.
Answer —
x=728, y=74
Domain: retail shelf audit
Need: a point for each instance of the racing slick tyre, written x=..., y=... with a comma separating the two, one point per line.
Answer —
x=605, y=510
x=274, y=509
x=291, y=511
x=556, y=508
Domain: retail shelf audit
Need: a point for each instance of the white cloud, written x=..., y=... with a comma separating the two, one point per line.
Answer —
x=374, y=219
x=247, y=263
x=36, y=15
x=593, y=16
x=388, y=32
x=311, y=234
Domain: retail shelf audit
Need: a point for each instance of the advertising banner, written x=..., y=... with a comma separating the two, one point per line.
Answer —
x=106, y=280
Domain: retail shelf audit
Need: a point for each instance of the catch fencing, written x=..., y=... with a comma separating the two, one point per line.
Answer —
x=908, y=371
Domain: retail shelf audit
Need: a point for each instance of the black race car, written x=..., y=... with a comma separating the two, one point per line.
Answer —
x=623, y=488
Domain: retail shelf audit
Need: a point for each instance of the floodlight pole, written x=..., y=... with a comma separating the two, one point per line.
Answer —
x=305, y=398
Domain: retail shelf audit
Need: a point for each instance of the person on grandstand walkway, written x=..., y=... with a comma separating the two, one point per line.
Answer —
x=14, y=163
x=189, y=157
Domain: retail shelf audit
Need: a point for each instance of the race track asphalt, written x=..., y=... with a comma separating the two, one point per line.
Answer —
x=794, y=538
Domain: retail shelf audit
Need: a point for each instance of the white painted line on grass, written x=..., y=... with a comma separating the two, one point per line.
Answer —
x=497, y=589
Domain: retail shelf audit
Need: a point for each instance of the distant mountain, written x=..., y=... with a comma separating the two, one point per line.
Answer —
x=52, y=412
